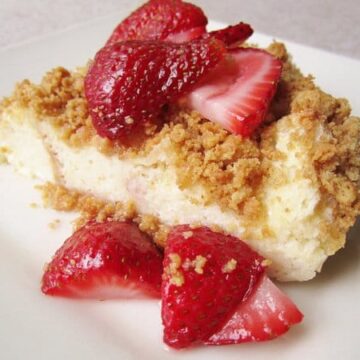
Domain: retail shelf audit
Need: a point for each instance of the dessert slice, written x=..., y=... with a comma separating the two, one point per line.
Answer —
x=290, y=190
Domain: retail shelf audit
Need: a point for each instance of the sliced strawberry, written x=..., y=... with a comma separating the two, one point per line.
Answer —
x=206, y=275
x=171, y=20
x=130, y=82
x=233, y=34
x=105, y=260
x=238, y=92
x=266, y=314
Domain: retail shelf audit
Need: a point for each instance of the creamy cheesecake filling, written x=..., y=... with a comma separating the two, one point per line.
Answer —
x=290, y=192
x=24, y=144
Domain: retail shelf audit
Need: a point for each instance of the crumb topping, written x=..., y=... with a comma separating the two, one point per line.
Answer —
x=228, y=166
x=3, y=154
x=229, y=267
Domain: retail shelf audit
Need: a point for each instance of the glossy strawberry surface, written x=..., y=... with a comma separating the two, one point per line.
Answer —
x=130, y=82
x=105, y=260
x=206, y=275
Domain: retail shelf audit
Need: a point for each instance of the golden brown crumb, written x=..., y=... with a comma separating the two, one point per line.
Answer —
x=197, y=264
x=187, y=234
x=266, y=262
x=229, y=266
x=334, y=166
x=153, y=227
x=3, y=154
x=173, y=272
x=337, y=162
x=228, y=166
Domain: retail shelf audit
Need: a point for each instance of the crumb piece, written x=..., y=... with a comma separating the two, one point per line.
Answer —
x=3, y=155
x=54, y=224
x=129, y=120
x=187, y=234
x=151, y=225
x=34, y=205
x=229, y=266
x=199, y=264
x=172, y=270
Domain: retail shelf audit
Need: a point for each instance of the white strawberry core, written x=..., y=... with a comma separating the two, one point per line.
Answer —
x=237, y=89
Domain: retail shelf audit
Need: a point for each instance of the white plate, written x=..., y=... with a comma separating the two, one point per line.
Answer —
x=34, y=326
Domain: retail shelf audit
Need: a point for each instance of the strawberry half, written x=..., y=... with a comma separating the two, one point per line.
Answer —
x=206, y=276
x=170, y=20
x=233, y=34
x=129, y=82
x=266, y=314
x=238, y=92
x=105, y=260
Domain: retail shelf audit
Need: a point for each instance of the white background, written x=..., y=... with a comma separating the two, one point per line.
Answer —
x=329, y=24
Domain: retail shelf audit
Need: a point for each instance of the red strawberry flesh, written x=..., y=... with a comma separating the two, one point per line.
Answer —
x=206, y=275
x=129, y=82
x=233, y=34
x=266, y=314
x=238, y=92
x=171, y=20
x=105, y=260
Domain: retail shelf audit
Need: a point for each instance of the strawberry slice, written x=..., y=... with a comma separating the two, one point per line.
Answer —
x=238, y=92
x=129, y=82
x=233, y=34
x=103, y=261
x=170, y=20
x=266, y=314
x=206, y=275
